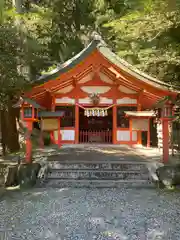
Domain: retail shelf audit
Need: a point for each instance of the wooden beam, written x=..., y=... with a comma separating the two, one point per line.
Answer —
x=114, y=140
x=59, y=134
x=63, y=85
x=76, y=123
x=82, y=74
x=126, y=82
x=114, y=112
x=75, y=71
x=149, y=134
x=29, y=142
x=95, y=82
x=119, y=81
x=141, y=84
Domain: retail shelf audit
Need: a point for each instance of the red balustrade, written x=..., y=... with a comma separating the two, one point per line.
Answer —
x=101, y=136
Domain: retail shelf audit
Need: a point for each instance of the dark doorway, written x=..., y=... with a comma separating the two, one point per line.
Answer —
x=95, y=129
x=153, y=135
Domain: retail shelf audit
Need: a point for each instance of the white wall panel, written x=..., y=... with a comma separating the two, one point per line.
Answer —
x=96, y=89
x=126, y=100
x=86, y=100
x=67, y=135
x=104, y=100
x=123, y=135
x=134, y=136
x=125, y=90
x=65, y=100
x=66, y=89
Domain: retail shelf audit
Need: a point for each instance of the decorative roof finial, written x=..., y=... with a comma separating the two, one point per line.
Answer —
x=96, y=36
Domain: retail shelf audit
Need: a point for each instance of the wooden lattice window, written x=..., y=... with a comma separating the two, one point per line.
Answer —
x=68, y=120
x=27, y=112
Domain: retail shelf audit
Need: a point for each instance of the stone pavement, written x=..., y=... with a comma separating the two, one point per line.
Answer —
x=107, y=152
x=86, y=214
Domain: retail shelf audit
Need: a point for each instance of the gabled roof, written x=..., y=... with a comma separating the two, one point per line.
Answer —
x=99, y=45
x=69, y=64
x=29, y=101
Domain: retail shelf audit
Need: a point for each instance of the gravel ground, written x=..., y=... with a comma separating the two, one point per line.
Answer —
x=86, y=214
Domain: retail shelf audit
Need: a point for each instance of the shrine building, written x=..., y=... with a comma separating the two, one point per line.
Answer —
x=95, y=97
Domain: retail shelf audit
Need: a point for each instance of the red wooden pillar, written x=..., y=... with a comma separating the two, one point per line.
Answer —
x=29, y=143
x=148, y=134
x=53, y=107
x=59, y=134
x=139, y=137
x=76, y=124
x=139, y=133
x=52, y=137
x=114, y=135
x=165, y=131
x=130, y=128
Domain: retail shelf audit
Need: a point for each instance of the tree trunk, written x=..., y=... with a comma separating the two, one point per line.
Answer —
x=3, y=115
x=18, y=5
x=13, y=137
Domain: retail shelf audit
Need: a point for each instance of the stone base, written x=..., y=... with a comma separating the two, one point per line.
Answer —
x=169, y=175
x=59, y=183
x=2, y=173
x=27, y=174
x=11, y=176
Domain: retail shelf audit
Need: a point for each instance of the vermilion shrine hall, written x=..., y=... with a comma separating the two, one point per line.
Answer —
x=97, y=97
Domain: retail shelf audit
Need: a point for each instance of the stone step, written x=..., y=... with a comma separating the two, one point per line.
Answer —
x=75, y=183
x=96, y=174
x=60, y=160
x=123, y=166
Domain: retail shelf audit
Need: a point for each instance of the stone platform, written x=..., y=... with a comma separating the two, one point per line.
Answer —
x=97, y=167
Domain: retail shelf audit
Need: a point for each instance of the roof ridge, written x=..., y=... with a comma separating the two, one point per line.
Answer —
x=91, y=46
x=99, y=44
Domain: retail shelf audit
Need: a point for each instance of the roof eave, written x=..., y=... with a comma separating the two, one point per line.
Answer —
x=99, y=45
x=124, y=65
x=69, y=64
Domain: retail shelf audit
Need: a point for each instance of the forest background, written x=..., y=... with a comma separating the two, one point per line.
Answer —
x=37, y=35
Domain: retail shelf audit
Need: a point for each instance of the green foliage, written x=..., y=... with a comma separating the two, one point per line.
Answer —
x=145, y=33
x=47, y=139
x=35, y=36
x=11, y=79
x=20, y=51
x=148, y=36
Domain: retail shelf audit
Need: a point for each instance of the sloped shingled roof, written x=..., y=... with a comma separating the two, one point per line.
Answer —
x=69, y=64
x=101, y=46
x=29, y=101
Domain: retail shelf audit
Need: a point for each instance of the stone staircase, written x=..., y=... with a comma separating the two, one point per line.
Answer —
x=97, y=174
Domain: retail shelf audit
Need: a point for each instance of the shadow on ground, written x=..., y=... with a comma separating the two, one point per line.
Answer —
x=97, y=154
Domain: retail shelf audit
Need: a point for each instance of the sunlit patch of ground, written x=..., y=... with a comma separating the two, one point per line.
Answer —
x=108, y=151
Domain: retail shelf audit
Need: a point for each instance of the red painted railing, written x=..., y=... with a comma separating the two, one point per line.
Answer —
x=101, y=136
